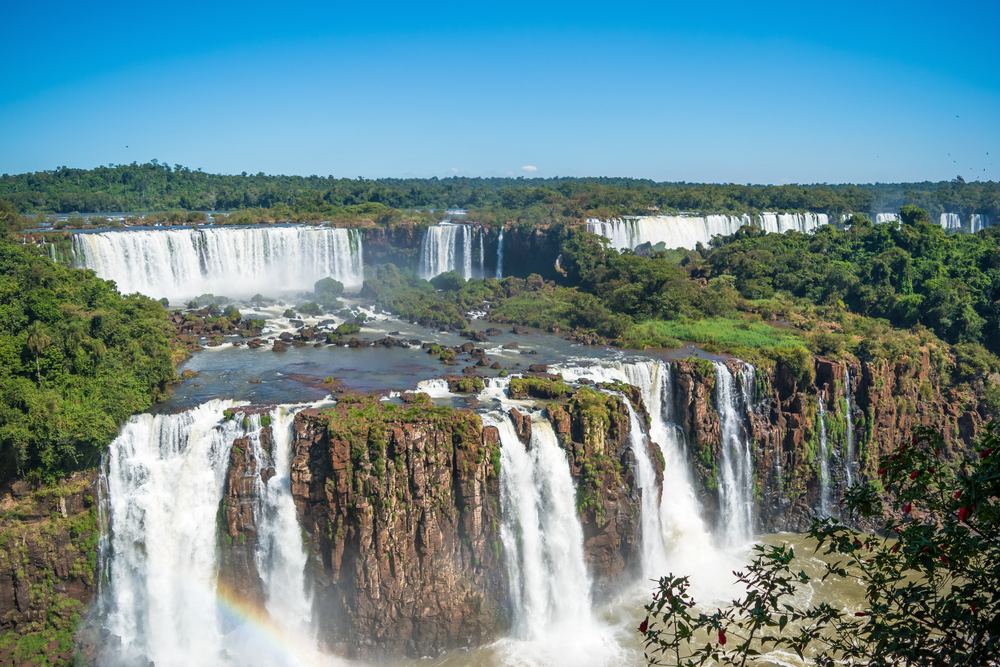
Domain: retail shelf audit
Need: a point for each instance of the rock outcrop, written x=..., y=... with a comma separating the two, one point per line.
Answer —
x=400, y=508
x=48, y=551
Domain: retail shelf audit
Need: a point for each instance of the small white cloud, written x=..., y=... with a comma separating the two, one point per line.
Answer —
x=510, y=173
x=453, y=170
x=528, y=167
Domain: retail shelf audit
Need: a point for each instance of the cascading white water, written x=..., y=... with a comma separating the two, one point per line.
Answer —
x=280, y=556
x=683, y=538
x=500, y=255
x=779, y=223
x=951, y=221
x=165, y=477
x=448, y=247
x=682, y=231
x=543, y=546
x=824, y=461
x=849, y=458
x=184, y=263
x=735, y=475
x=886, y=217
x=675, y=231
x=980, y=222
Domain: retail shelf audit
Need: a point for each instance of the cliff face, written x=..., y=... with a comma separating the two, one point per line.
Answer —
x=48, y=548
x=400, y=508
x=885, y=403
x=594, y=429
x=397, y=245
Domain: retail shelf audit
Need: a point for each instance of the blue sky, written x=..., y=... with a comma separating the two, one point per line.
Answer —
x=722, y=92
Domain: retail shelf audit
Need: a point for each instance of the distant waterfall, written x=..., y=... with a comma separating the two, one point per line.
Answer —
x=165, y=477
x=500, y=255
x=682, y=231
x=980, y=222
x=886, y=217
x=779, y=223
x=543, y=543
x=449, y=247
x=184, y=263
x=735, y=475
x=849, y=458
x=951, y=221
x=825, y=482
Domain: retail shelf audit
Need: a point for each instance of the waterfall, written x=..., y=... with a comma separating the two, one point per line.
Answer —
x=500, y=255
x=735, y=475
x=980, y=222
x=683, y=231
x=448, y=247
x=950, y=221
x=184, y=263
x=886, y=217
x=849, y=459
x=165, y=478
x=683, y=537
x=779, y=223
x=654, y=557
x=824, y=461
x=543, y=543
x=280, y=556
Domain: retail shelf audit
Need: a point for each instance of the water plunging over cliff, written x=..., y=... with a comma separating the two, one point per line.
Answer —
x=500, y=255
x=165, y=479
x=825, y=483
x=951, y=221
x=980, y=222
x=886, y=217
x=449, y=247
x=543, y=543
x=681, y=231
x=735, y=476
x=184, y=263
x=849, y=459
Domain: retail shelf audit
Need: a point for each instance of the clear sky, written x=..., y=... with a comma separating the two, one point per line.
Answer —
x=796, y=92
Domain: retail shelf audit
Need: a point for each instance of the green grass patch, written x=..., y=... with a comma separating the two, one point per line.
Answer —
x=718, y=331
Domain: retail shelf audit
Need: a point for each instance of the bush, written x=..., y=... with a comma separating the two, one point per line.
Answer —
x=289, y=313
x=346, y=329
x=452, y=281
x=329, y=286
x=311, y=308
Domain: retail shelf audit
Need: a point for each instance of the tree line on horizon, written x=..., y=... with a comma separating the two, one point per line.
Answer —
x=156, y=186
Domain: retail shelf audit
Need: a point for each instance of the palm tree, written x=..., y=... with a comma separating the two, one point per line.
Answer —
x=39, y=338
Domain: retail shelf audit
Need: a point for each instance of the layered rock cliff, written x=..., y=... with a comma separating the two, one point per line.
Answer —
x=48, y=553
x=400, y=510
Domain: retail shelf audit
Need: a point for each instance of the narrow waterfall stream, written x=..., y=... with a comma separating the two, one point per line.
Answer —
x=165, y=477
x=849, y=458
x=500, y=255
x=825, y=483
x=735, y=474
x=449, y=247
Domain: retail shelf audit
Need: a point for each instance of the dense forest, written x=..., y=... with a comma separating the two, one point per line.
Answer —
x=76, y=360
x=159, y=187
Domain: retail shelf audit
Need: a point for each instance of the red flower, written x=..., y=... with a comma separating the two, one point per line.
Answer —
x=937, y=451
x=722, y=638
x=944, y=559
x=643, y=626
x=974, y=610
x=957, y=494
x=860, y=613
x=881, y=471
x=895, y=547
x=913, y=475
x=907, y=508
x=964, y=513
x=931, y=470
x=857, y=544
x=986, y=452
x=914, y=440
x=841, y=502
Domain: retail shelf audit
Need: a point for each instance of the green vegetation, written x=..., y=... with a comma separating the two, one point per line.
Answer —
x=256, y=197
x=931, y=587
x=76, y=360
